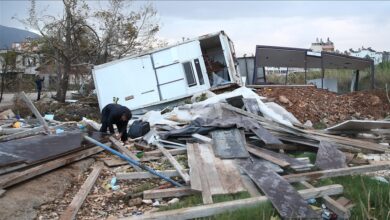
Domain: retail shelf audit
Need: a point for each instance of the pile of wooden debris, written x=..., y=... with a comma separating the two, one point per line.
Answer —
x=224, y=145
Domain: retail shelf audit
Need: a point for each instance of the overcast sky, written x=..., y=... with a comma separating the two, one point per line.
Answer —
x=349, y=24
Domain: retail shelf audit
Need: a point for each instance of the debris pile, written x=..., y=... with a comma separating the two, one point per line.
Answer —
x=318, y=105
x=227, y=144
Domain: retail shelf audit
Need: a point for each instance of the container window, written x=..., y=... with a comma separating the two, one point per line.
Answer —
x=189, y=73
x=199, y=71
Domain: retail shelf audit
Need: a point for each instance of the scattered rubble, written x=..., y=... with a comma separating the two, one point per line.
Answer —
x=322, y=106
x=206, y=148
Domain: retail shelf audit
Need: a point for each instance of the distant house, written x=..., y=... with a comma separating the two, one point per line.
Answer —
x=377, y=57
x=320, y=45
x=385, y=56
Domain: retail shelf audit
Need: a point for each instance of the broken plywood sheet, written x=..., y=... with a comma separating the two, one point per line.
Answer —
x=360, y=125
x=329, y=157
x=222, y=175
x=40, y=148
x=282, y=195
x=229, y=143
x=252, y=106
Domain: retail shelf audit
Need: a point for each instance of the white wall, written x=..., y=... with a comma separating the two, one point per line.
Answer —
x=124, y=78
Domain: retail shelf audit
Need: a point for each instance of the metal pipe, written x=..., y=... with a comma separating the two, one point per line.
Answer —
x=131, y=161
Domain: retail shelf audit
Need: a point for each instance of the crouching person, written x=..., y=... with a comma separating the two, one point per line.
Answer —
x=118, y=115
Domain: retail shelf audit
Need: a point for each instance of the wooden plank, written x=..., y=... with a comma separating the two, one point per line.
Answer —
x=261, y=154
x=278, y=86
x=146, y=175
x=333, y=205
x=294, y=163
x=35, y=111
x=167, y=193
x=141, y=146
x=336, y=172
x=174, y=163
x=221, y=207
x=158, y=153
x=194, y=165
x=22, y=134
x=229, y=143
x=92, y=123
x=282, y=195
x=207, y=158
x=203, y=138
x=114, y=162
x=170, y=143
x=310, y=134
x=359, y=125
x=222, y=175
x=2, y=191
x=364, y=145
x=229, y=176
x=205, y=182
x=329, y=157
x=264, y=134
x=250, y=186
x=8, y=131
x=17, y=177
x=71, y=211
x=125, y=151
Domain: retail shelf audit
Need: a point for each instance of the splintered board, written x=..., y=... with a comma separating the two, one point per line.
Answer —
x=269, y=154
x=222, y=176
x=283, y=196
x=229, y=143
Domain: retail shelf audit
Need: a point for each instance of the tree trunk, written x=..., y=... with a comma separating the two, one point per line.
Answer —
x=2, y=85
x=64, y=82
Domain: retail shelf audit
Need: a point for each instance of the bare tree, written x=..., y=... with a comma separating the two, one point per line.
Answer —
x=125, y=32
x=68, y=40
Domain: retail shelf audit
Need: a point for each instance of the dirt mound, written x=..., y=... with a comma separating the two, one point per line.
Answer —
x=318, y=105
x=62, y=111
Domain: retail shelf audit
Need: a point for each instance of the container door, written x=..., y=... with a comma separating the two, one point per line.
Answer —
x=227, y=51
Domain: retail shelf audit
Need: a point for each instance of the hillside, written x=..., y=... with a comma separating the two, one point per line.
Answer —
x=9, y=35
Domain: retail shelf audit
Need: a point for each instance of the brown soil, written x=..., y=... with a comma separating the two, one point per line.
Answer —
x=318, y=105
x=62, y=111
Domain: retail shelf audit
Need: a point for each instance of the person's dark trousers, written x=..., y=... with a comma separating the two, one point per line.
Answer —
x=105, y=121
x=39, y=94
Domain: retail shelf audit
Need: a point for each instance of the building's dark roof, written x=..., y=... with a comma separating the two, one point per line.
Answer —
x=274, y=56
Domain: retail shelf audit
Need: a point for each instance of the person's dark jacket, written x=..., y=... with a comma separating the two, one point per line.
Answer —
x=111, y=114
x=38, y=82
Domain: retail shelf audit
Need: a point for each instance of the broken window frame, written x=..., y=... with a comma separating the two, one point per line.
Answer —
x=189, y=84
x=198, y=70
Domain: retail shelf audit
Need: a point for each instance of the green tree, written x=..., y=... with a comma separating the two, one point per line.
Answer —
x=8, y=64
x=76, y=40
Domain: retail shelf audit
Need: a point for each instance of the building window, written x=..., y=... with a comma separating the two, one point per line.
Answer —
x=188, y=70
x=199, y=71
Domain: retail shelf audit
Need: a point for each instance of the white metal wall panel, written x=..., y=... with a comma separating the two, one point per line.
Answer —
x=165, y=57
x=129, y=77
x=170, y=73
x=175, y=89
x=172, y=80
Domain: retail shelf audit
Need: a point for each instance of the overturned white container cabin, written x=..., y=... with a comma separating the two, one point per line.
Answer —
x=168, y=74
